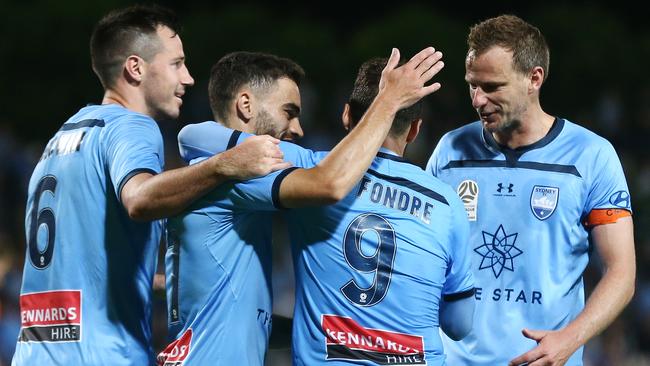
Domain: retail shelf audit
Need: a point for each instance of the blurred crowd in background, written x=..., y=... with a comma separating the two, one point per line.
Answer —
x=598, y=78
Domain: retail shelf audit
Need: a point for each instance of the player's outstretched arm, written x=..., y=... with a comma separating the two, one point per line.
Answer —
x=615, y=245
x=150, y=197
x=333, y=178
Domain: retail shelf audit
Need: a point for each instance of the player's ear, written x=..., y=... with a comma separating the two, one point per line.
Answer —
x=345, y=117
x=414, y=130
x=536, y=78
x=134, y=68
x=244, y=106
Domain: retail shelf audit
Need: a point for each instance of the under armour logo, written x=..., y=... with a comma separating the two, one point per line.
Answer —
x=501, y=187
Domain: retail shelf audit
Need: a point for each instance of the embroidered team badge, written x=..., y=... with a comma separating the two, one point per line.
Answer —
x=543, y=201
x=468, y=192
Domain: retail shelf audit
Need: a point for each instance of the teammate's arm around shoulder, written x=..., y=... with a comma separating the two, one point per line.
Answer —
x=149, y=197
x=333, y=178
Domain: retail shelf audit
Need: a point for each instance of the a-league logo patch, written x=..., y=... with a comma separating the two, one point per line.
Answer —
x=468, y=192
x=543, y=201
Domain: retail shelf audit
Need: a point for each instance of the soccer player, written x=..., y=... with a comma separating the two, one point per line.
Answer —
x=539, y=192
x=91, y=242
x=257, y=93
x=372, y=269
x=233, y=323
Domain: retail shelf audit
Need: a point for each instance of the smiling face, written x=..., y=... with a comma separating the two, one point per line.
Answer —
x=166, y=77
x=278, y=111
x=499, y=93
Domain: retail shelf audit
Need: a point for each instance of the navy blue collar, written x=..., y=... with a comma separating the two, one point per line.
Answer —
x=391, y=155
x=515, y=154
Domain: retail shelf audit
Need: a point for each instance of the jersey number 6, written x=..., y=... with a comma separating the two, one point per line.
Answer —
x=380, y=263
x=41, y=259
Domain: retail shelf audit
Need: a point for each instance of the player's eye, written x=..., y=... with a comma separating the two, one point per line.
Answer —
x=291, y=114
x=489, y=88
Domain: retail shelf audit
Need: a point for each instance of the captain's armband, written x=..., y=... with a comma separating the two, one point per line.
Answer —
x=604, y=216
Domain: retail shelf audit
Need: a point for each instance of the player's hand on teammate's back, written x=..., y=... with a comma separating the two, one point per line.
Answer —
x=405, y=84
x=256, y=156
x=554, y=347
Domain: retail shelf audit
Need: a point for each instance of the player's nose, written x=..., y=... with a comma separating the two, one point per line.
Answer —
x=295, y=131
x=479, y=98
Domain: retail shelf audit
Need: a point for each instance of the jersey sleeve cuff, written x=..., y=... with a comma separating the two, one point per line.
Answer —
x=458, y=295
x=275, y=190
x=130, y=175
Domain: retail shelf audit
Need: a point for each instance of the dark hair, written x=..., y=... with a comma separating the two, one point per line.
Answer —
x=125, y=32
x=528, y=46
x=257, y=69
x=366, y=87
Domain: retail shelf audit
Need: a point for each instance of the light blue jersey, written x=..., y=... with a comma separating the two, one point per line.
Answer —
x=370, y=270
x=86, y=292
x=529, y=246
x=218, y=266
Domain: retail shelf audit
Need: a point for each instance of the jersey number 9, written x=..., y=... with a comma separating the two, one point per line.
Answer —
x=380, y=263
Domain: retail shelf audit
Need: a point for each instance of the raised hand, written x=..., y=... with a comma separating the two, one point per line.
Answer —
x=405, y=84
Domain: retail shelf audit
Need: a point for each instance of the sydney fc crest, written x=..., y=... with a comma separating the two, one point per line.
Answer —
x=543, y=201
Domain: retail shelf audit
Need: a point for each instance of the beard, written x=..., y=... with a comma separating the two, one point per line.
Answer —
x=265, y=125
x=509, y=121
x=505, y=126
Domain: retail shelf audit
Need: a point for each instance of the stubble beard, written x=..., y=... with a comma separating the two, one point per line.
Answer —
x=265, y=125
x=504, y=127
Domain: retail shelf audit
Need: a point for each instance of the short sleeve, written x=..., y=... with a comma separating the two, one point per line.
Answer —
x=205, y=139
x=259, y=194
x=608, y=185
x=459, y=281
x=209, y=138
x=133, y=145
x=198, y=141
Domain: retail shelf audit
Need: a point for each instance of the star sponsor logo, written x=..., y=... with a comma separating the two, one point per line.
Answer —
x=543, y=201
x=468, y=192
x=498, y=251
x=620, y=199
